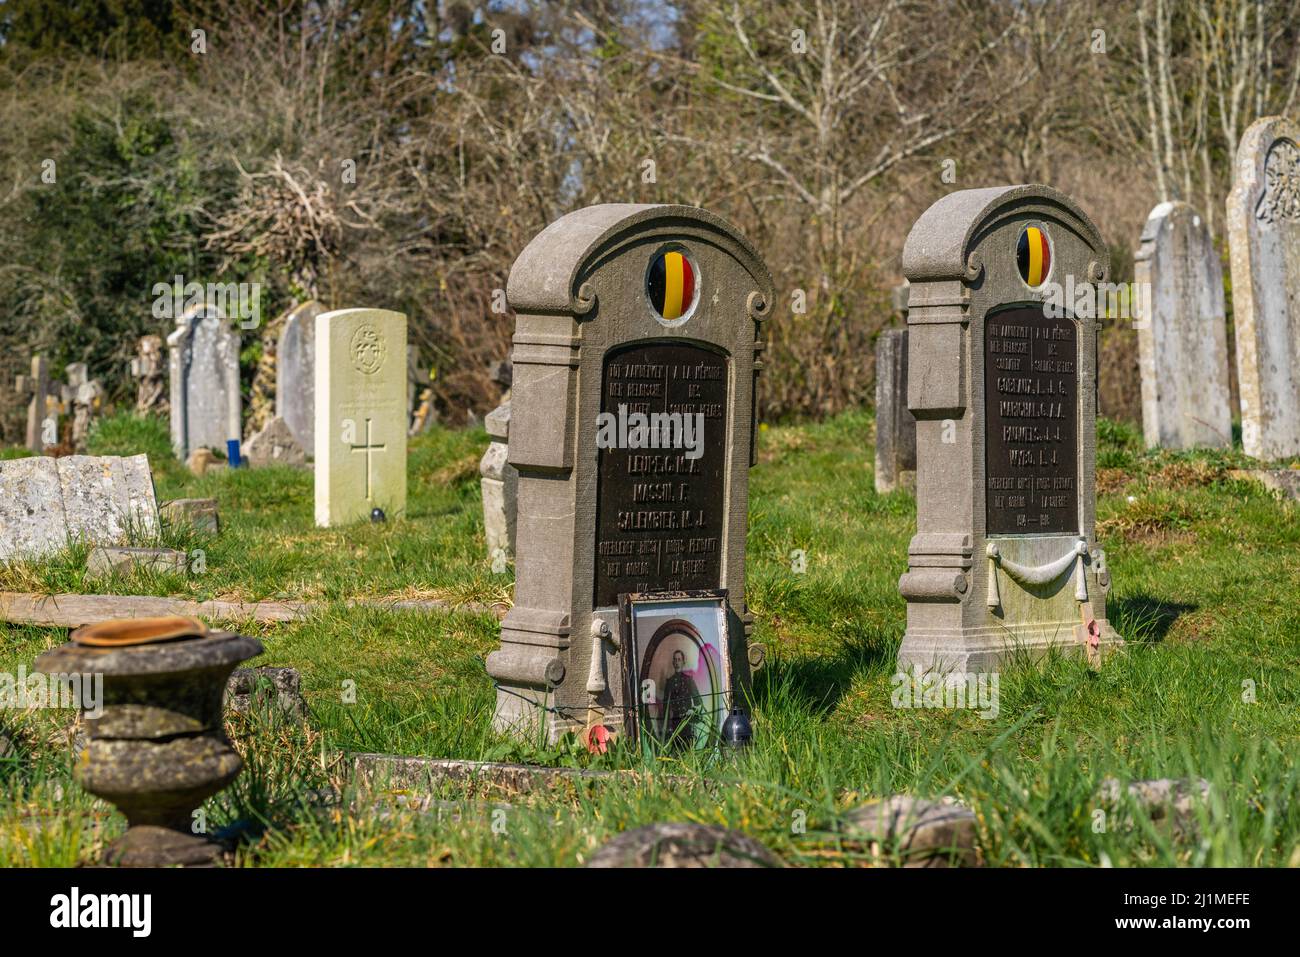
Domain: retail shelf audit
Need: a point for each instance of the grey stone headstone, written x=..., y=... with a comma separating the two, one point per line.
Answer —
x=499, y=486
x=295, y=372
x=1264, y=245
x=895, y=426
x=590, y=338
x=43, y=392
x=1005, y=558
x=274, y=445
x=45, y=503
x=203, y=362
x=1183, y=344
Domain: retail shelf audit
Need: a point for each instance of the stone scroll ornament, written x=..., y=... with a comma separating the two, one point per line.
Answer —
x=1002, y=343
x=624, y=310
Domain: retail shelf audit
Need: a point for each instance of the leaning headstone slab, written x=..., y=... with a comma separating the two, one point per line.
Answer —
x=1183, y=344
x=499, y=486
x=361, y=418
x=895, y=426
x=274, y=445
x=649, y=309
x=1264, y=247
x=673, y=845
x=32, y=521
x=46, y=503
x=1002, y=383
x=203, y=362
x=295, y=371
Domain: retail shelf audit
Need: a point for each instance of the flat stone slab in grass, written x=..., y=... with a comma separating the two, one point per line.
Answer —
x=45, y=503
x=397, y=773
x=1285, y=482
x=201, y=513
x=278, y=688
x=925, y=833
x=110, y=559
x=684, y=845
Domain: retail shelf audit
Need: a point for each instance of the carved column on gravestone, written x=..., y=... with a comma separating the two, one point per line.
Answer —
x=1004, y=394
x=1264, y=244
x=39, y=387
x=1183, y=344
x=147, y=367
x=579, y=292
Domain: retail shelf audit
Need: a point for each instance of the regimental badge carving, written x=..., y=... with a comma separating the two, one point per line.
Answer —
x=1281, y=199
x=368, y=349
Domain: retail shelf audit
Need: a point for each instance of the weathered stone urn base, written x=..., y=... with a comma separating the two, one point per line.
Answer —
x=156, y=744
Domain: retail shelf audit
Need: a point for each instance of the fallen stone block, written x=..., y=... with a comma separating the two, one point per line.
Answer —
x=684, y=845
x=1282, y=482
x=277, y=688
x=923, y=833
x=1172, y=799
x=114, y=560
x=201, y=513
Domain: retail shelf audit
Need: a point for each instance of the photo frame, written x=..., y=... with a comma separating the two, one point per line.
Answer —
x=676, y=668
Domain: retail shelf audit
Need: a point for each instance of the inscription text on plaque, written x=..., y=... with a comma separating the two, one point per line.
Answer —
x=660, y=514
x=1031, y=405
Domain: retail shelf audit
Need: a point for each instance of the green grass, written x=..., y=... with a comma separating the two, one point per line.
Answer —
x=1205, y=571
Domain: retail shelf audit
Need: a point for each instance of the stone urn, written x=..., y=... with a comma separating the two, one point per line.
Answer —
x=156, y=746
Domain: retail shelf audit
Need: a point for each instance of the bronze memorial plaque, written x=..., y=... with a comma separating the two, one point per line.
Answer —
x=660, y=512
x=1031, y=408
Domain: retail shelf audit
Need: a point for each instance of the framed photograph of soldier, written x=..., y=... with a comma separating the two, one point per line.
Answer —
x=676, y=668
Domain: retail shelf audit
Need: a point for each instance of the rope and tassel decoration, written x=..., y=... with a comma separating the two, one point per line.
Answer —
x=1037, y=574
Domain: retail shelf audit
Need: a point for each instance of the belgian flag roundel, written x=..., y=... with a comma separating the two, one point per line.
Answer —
x=671, y=284
x=1034, y=256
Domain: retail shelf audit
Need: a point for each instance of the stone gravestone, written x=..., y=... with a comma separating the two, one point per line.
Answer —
x=1002, y=381
x=206, y=407
x=46, y=502
x=274, y=444
x=43, y=391
x=1264, y=244
x=895, y=427
x=500, y=489
x=652, y=308
x=1183, y=344
x=418, y=380
x=82, y=395
x=360, y=415
x=295, y=372
x=147, y=367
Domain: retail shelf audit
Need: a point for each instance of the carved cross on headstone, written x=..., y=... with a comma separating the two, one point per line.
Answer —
x=370, y=448
x=41, y=389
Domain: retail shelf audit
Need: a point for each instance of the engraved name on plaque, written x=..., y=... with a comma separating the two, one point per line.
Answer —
x=1031, y=403
x=660, y=515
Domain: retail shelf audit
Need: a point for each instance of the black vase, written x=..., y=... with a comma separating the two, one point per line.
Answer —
x=737, y=732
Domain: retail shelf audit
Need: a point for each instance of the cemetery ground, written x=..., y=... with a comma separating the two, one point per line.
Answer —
x=1205, y=570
